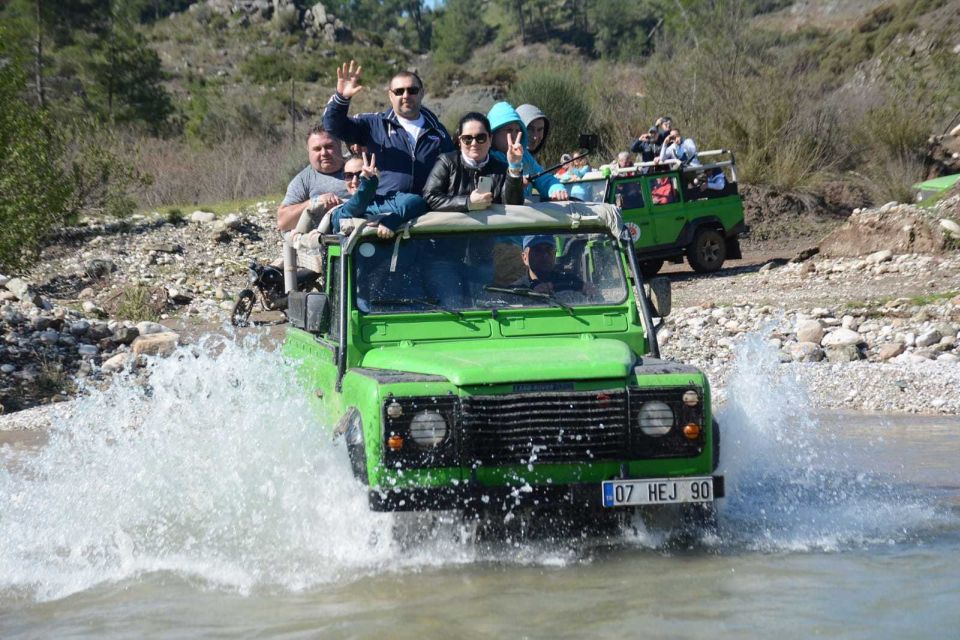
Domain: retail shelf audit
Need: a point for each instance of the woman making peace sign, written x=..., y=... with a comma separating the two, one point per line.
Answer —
x=453, y=182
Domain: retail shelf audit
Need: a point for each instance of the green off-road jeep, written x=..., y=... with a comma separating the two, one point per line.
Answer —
x=459, y=384
x=674, y=211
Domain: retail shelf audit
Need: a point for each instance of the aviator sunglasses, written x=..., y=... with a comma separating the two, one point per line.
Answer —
x=480, y=138
x=399, y=91
x=350, y=175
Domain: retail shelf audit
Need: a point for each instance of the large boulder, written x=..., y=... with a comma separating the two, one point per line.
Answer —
x=898, y=228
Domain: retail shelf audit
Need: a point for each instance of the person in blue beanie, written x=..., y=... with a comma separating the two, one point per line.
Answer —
x=506, y=123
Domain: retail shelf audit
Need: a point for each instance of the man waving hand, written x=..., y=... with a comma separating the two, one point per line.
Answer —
x=407, y=138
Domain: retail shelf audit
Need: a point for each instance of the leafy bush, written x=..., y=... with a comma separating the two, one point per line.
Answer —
x=561, y=97
x=33, y=189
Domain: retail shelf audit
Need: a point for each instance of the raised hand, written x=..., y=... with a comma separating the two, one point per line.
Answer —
x=369, y=169
x=515, y=149
x=348, y=80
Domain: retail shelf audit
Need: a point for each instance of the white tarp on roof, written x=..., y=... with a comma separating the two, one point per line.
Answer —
x=542, y=215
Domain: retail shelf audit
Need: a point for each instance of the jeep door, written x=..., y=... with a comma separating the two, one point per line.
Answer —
x=667, y=210
x=628, y=195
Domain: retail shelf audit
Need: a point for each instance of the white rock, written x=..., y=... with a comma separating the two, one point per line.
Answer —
x=8, y=368
x=146, y=328
x=203, y=216
x=232, y=221
x=951, y=227
x=810, y=331
x=117, y=362
x=880, y=256
x=928, y=338
x=841, y=338
x=804, y=351
x=948, y=357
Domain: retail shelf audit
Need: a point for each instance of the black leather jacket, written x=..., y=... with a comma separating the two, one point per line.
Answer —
x=451, y=182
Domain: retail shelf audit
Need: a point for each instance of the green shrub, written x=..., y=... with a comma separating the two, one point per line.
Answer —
x=561, y=97
x=137, y=302
x=33, y=189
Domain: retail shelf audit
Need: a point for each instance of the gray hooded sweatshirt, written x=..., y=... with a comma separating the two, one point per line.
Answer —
x=528, y=113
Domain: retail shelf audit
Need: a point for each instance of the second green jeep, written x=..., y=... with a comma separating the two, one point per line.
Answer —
x=675, y=212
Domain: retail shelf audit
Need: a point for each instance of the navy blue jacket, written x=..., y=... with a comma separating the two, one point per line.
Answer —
x=402, y=167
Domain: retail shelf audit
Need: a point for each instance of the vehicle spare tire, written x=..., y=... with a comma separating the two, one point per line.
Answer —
x=707, y=251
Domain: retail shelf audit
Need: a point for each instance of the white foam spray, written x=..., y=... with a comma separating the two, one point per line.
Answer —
x=793, y=483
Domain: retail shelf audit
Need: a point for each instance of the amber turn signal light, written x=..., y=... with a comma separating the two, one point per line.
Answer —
x=395, y=442
x=691, y=431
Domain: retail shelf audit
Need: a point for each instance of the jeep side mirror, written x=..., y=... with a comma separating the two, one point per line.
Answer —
x=309, y=311
x=661, y=296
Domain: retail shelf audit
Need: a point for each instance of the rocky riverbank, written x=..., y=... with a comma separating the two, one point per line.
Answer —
x=869, y=329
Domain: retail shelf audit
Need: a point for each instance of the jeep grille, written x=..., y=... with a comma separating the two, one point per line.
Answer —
x=567, y=426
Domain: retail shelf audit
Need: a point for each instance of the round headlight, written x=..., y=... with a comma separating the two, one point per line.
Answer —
x=656, y=418
x=428, y=428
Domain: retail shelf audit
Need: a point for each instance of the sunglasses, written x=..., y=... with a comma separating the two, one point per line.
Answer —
x=399, y=91
x=480, y=138
x=348, y=176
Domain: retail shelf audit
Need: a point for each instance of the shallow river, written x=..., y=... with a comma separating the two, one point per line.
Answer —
x=208, y=505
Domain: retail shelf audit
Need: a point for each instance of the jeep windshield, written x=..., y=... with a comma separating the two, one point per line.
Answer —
x=450, y=273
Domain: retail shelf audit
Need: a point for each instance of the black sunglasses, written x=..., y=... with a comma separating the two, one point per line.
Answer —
x=480, y=138
x=350, y=175
x=399, y=91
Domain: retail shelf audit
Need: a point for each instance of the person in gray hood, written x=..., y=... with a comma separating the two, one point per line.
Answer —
x=537, y=124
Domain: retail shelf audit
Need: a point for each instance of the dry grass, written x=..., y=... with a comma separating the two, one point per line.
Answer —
x=187, y=174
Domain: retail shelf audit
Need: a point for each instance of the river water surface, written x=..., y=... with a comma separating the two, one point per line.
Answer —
x=211, y=504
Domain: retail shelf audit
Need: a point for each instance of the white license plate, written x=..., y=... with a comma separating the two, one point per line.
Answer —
x=625, y=493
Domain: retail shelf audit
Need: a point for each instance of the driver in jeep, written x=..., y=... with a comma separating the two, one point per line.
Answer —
x=540, y=259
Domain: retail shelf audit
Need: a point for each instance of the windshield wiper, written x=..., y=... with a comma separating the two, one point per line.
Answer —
x=527, y=292
x=397, y=302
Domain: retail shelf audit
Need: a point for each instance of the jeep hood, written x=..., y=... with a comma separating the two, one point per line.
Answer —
x=503, y=361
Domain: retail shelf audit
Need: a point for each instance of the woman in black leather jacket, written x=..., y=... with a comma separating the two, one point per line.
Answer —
x=452, y=264
x=452, y=184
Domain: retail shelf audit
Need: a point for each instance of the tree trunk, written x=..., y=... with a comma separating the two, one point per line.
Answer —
x=416, y=12
x=38, y=67
x=523, y=31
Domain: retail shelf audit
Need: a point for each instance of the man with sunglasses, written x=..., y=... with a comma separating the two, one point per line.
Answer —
x=407, y=138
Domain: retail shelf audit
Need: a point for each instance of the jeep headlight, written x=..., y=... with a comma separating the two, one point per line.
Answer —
x=655, y=418
x=428, y=428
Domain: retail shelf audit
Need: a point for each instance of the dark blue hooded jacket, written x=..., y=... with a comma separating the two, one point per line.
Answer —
x=402, y=166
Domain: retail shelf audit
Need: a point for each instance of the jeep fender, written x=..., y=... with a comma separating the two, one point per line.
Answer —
x=350, y=428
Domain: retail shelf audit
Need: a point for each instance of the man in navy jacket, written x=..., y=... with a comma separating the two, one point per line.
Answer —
x=406, y=138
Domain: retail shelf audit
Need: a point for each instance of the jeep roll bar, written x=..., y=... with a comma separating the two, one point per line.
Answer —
x=643, y=304
x=732, y=162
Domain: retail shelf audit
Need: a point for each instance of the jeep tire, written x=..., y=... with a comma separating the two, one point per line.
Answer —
x=707, y=251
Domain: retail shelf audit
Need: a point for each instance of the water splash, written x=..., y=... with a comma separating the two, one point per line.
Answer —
x=792, y=483
x=219, y=472
x=218, y=469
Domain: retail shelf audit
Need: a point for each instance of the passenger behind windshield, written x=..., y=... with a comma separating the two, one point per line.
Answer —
x=393, y=210
x=540, y=259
